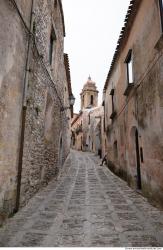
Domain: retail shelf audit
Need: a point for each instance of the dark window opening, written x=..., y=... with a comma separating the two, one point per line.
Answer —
x=51, y=46
x=37, y=110
x=113, y=114
x=83, y=100
x=141, y=154
x=129, y=63
x=161, y=13
x=55, y=3
x=112, y=100
x=89, y=119
x=91, y=99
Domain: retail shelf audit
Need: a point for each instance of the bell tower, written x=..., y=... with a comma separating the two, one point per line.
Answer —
x=89, y=95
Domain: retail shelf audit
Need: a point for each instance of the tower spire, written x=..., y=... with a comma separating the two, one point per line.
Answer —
x=89, y=77
x=89, y=94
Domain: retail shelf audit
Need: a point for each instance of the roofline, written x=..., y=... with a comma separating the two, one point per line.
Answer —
x=68, y=76
x=62, y=15
x=124, y=34
x=76, y=118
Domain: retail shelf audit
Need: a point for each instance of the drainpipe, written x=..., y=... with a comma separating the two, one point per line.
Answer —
x=23, y=114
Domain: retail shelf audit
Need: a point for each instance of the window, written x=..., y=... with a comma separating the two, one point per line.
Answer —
x=52, y=46
x=103, y=104
x=112, y=99
x=73, y=140
x=113, y=114
x=89, y=119
x=91, y=99
x=141, y=154
x=129, y=67
x=129, y=63
x=161, y=12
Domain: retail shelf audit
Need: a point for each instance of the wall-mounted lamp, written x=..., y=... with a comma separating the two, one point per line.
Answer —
x=71, y=103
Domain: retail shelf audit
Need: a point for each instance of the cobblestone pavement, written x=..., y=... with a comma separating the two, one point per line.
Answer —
x=87, y=206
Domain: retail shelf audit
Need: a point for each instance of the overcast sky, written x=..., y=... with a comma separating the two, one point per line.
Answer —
x=92, y=31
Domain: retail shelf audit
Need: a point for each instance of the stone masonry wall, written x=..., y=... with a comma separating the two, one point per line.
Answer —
x=46, y=126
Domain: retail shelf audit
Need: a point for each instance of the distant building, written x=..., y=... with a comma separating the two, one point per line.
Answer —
x=133, y=100
x=89, y=95
x=86, y=126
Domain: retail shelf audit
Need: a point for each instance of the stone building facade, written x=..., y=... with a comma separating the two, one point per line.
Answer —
x=86, y=126
x=35, y=87
x=92, y=119
x=133, y=100
x=77, y=131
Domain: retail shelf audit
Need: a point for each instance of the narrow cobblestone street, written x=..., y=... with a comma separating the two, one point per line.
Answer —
x=86, y=206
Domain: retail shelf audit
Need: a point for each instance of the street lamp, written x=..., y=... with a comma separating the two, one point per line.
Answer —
x=71, y=100
x=71, y=103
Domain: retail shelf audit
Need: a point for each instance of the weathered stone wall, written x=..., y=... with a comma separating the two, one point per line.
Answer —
x=141, y=110
x=46, y=132
x=47, y=129
x=13, y=49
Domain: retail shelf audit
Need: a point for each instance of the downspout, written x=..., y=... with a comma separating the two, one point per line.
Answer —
x=23, y=114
